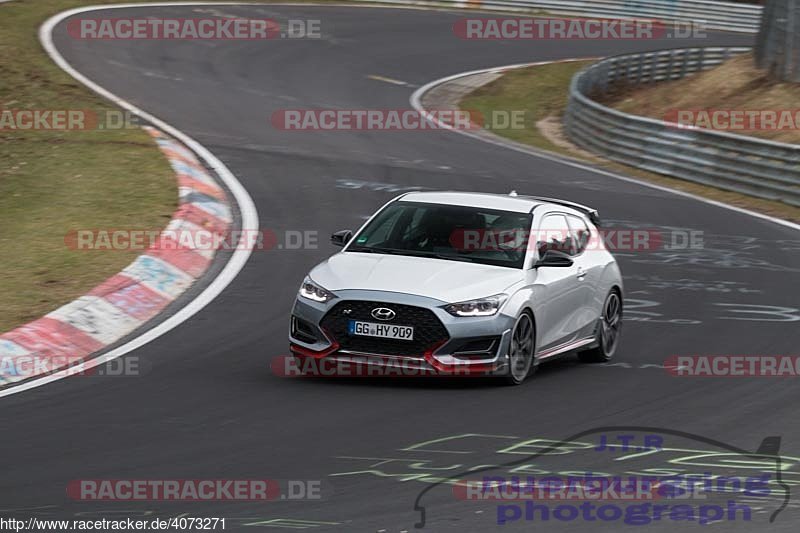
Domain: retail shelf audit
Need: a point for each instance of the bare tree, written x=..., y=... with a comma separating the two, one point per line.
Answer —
x=778, y=44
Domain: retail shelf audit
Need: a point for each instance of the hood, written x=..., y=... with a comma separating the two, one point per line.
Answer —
x=448, y=281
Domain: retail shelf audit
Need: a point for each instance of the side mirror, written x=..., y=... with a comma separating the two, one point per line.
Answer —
x=340, y=238
x=554, y=258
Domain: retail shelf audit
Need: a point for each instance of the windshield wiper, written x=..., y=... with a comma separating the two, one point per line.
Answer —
x=412, y=253
x=455, y=258
x=390, y=251
x=396, y=251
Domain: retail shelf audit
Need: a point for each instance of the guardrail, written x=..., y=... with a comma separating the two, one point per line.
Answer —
x=713, y=15
x=728, y=161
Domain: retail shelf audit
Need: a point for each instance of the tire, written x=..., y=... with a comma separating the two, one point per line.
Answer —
x=521, y=350
x=608, y=331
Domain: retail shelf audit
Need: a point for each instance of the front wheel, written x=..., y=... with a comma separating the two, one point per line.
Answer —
x=608, y=331
x=520, y=353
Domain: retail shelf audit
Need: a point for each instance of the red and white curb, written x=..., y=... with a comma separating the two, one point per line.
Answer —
x=126, y=301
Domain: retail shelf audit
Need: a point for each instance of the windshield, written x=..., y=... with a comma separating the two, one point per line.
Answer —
x=456, y=233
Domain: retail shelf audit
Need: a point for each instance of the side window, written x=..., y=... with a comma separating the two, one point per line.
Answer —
x=554, y=234
x=580, y=233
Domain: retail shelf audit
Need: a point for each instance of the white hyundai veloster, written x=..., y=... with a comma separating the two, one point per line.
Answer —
x=464, y=284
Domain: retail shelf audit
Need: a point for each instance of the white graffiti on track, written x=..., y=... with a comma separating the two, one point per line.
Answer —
x=762, y=313
x=376, y=186
x=694, y=285
x=638, y=310
x=711, y=257
x=720, y=241
x=634, y=311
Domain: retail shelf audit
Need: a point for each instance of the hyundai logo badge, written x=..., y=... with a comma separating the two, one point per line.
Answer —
x=383, y=313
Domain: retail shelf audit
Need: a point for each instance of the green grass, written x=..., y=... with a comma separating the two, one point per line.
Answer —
x=541, y=91
x=52, y=182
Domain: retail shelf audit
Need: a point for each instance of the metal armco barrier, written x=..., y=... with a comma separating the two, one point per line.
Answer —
x=713, y=15
x=739, y=163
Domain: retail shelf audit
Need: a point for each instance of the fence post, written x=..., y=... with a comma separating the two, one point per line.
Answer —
x=778, y=43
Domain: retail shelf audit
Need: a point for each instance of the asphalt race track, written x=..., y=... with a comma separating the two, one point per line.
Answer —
x=209, y=405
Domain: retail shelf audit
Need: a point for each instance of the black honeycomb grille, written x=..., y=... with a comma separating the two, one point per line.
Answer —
x=428, y=329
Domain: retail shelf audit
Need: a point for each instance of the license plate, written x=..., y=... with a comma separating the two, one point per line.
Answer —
x=385, y=331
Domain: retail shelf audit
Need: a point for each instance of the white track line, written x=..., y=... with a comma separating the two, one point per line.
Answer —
x=246, y=207
x=416, y=102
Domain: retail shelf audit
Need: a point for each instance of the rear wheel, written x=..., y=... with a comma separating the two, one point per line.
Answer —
x=520, y=353
x=608, y=331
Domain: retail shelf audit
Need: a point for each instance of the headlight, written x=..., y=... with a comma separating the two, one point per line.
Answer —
x=314, y=292
x=481, y=307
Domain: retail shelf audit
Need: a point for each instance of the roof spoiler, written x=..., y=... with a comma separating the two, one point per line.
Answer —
x=592, y=213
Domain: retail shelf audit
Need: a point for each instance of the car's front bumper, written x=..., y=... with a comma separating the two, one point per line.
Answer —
x=462, y=346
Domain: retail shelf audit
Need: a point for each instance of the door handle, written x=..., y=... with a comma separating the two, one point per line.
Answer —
x=581, y=273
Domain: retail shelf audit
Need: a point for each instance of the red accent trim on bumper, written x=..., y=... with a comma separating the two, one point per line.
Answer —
x=307, y=352
x=464, y=369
